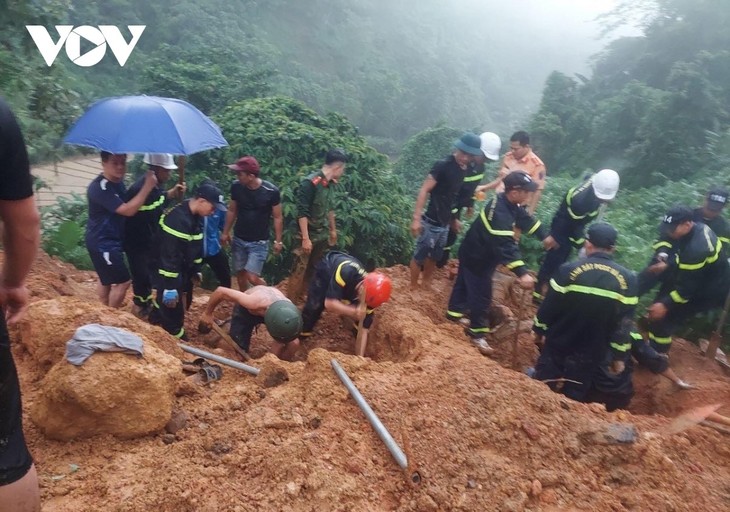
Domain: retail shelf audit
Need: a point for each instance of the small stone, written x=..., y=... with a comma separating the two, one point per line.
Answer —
x=535, y=488
x=236, y=405
x=220, y=447
x=168, y=438
x=565, y=405
x=178, y=421
x=611, y=434
x=530, y=430
x=515, y=503
x=471, y=484
x=292, y=489
x=548, y=478
x=261, y=393
x=315, y=422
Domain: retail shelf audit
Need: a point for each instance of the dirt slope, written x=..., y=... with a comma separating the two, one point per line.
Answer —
x=483, y=436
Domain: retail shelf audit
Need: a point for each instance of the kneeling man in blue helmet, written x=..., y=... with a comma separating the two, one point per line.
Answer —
x=586, y=321
x=260, y=305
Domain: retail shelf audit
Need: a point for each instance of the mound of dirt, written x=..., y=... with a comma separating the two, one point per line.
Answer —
x=482, y=436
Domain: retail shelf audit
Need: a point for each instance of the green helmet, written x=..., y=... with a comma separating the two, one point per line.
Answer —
x=283, y=321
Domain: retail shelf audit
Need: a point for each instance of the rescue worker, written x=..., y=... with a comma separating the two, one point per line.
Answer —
x=491, y=144
x=489, y=242
x=702, y=279
x=339, y=282
x=259, y=305
x=316, y=220
x=662, y=266
x=586, y=320
x=181, y=255
x=579, y=207
x=615, y=390
x=140, y=230
x=441, y=186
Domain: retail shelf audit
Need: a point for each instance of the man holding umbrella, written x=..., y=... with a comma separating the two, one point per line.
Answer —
x=131, y=124
x=105, y=228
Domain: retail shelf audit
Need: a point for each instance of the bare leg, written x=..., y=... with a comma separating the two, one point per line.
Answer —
x=254, y=279
x=285, y=351
x=102, y=291
x=428, y=267
x=415, y=273
x=22, y=495
x=117, y=294
x=242, y=280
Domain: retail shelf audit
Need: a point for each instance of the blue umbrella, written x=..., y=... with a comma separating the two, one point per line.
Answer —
x=145, y=124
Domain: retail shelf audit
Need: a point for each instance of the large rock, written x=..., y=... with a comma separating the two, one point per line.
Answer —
x=49, y=324
x=111, y=393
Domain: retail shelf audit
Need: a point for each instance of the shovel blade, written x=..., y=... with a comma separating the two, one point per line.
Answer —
x=691, y=418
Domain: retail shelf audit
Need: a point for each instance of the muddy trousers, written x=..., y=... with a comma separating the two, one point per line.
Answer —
x=303, y=269
x=660, y=332
x=314, y=306
x=242, y=326
x=142, y=267
x=472, y=295
x=221, y=268
x=450, y=241
x=553, y=259
x=173, y=319
x=15, y=460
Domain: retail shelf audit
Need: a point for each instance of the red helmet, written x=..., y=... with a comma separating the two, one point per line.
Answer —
x=377, y=289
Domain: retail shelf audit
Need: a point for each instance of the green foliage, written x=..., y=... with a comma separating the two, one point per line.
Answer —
x=63, y=231
x=420, y=152
x=651, y=104
x=290, y=141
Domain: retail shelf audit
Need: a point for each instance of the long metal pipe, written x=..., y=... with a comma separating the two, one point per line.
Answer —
x=380, y=429
x=218, y=359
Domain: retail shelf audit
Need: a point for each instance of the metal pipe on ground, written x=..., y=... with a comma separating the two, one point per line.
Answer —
x=383, y=434
x=218, y=359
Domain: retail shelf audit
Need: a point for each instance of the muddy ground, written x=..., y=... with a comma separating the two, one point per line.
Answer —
x=482, y=435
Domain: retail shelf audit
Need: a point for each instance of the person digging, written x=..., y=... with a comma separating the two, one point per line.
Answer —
x=258, y=305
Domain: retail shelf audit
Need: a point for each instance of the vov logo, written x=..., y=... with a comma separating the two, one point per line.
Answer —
x=100, y=37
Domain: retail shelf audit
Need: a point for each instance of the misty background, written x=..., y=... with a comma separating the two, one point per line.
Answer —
x=392, y=68
x=639, y=86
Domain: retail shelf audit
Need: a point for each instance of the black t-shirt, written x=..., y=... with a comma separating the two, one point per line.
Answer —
x=254, y=210
x=105, y=227
x=449, y=177
x=15, y=180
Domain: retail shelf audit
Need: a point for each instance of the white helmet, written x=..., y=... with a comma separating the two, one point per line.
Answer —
x=605, y=184
x=491, y=145
x=163, y=160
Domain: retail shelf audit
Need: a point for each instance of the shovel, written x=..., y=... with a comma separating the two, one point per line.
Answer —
x=225, y=337
x=360, y=343
x=696, y=416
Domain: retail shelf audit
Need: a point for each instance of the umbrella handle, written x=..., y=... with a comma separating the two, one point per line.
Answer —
x=181, y=169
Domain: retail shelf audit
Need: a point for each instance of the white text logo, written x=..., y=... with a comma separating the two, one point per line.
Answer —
x=100, y=37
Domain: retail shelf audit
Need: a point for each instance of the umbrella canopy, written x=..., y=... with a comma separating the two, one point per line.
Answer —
x=145, y=124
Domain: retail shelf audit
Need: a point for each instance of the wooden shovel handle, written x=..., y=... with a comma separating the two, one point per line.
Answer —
x=361, y=344
x=224, y=335
x=181, y=169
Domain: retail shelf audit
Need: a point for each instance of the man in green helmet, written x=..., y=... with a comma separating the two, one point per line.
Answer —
x=260, y=305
